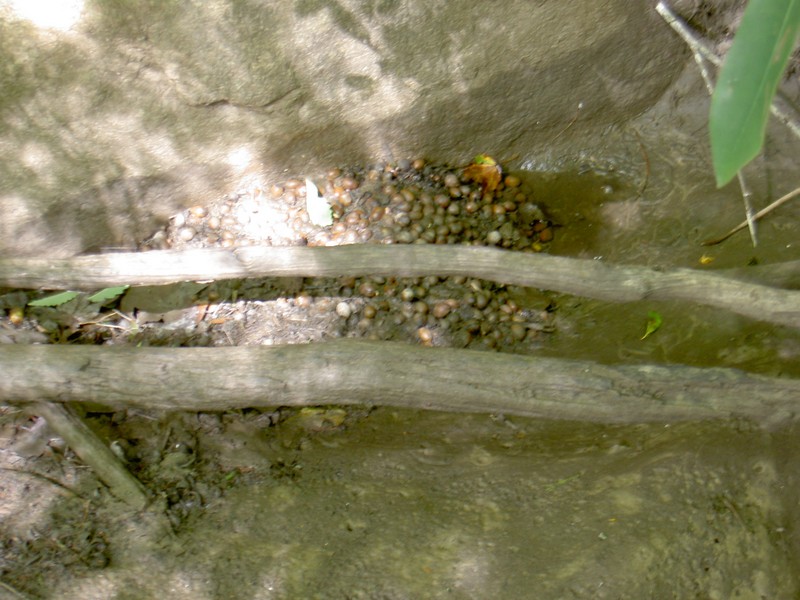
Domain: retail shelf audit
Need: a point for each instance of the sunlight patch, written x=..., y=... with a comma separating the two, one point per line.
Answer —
x=48, y=14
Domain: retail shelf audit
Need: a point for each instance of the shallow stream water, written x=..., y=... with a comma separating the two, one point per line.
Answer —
x=408, y=505
x=396, y=504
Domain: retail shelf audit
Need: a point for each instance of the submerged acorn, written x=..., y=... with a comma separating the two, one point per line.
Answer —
x=408, y=202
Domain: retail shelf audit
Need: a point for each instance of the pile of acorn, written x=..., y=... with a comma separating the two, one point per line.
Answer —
x=409, y=202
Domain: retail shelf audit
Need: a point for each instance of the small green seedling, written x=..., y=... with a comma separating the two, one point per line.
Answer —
x=653, y=323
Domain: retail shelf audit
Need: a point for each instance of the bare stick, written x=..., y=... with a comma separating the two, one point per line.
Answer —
x=692, y=40
x=350, y=372
x=748, y=207
x=784, y=275
x=764, y=211
x=780, y=108
x=92, y=451
x=14, y=592
x=701, y=53
x=588, y=278
x=46, y=478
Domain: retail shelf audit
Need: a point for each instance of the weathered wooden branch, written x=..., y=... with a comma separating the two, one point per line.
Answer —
x=784, y=275
x=386, y=373
x=94, y=453
x=589, y=278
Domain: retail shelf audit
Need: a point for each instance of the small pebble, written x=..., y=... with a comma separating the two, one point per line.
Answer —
x=407, y=295
x=518, y=331
x=493, y=237
x=349, y=183
x=451, y=180
x=367, y=289
x=407, y=202
x=343, y=310
x=187, y=233
x=16, y=315
x=441, y=310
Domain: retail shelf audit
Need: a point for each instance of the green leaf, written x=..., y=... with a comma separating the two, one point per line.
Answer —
x=483, y=159
x=54, y=300
x=319, y=211
x=747, y=83
x=653, y=323
x=107, y=294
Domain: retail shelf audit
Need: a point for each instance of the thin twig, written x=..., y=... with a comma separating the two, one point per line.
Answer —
x=746, y=193
x=701, y=54
x=682, y=29
x=14, y=592
x=646, y=178
x=704, y=72
x=780, y=108
x=93, y=452
x=45, y=478
x=748, y=207
x=570, y=124
x=756, y=217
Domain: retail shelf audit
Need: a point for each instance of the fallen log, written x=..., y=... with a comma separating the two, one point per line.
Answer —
x=384, y=373
x=588, y=278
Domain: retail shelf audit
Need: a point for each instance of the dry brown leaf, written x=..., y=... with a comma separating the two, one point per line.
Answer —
x=485, y=171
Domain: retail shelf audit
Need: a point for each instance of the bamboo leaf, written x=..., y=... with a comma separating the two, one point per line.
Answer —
x=107, y=294
x=54, y=299
x=747, y=83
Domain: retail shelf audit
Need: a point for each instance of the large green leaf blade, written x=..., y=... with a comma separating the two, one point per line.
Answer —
x=54, y=299
x=747, y=83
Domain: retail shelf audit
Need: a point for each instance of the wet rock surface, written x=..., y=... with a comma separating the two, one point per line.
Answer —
x=368, y=503
x=164, y=106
